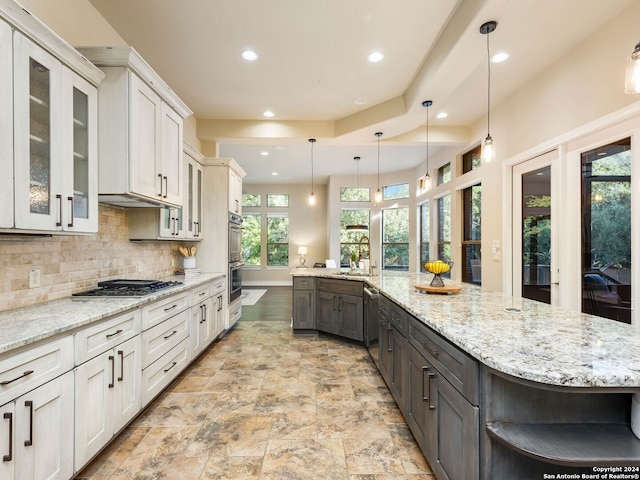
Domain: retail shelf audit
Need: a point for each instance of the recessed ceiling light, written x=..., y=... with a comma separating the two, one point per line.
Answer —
x=360, y=101
x=268, y=113
x=499, y=57
x=264, y=154
x=375, y=57
x=442, y=115
x=249, y=55
x=279, y=147
x=274, y=173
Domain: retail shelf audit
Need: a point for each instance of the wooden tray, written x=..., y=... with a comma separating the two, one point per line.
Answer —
x=441, y=290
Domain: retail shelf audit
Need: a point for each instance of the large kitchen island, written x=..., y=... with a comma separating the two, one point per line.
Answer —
x=491, y=386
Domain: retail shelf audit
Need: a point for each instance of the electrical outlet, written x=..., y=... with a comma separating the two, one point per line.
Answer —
x=34, y=278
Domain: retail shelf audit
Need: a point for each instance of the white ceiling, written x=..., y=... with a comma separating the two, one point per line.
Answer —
x=312, y=65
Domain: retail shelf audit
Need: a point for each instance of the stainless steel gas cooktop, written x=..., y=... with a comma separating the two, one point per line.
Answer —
x=126, y=288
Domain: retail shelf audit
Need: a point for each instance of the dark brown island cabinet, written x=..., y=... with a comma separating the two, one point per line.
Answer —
x=471, y=421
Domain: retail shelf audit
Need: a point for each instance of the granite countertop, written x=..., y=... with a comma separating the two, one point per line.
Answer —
x=24, y=326
x=519, y=337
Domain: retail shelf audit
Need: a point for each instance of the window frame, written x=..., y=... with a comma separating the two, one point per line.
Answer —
x=384, y=243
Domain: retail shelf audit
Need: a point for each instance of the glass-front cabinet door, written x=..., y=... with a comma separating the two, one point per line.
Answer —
x=80, y=203
x=37, y=133
x=55, y=143
x=6, y=127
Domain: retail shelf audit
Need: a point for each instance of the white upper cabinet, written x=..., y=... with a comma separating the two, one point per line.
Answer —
x=6, y=126
x=141, y=132
x=48, y=129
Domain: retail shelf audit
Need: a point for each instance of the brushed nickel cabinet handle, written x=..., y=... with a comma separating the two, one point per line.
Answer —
x=166, y=187
x=160, y=176
x=29, y=442
x=430, y=375
x=7, y=382
x=9, y=457
x=424, y=398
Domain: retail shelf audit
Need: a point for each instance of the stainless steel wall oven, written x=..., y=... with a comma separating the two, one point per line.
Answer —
x=235, y=256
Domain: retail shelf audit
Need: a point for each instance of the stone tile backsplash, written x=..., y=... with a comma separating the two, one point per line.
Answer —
x=73, y=263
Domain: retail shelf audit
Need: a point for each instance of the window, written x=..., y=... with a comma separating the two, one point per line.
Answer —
x=395, y=239
x=277, y=240
x=249, y=200
x=606, y=231
x=444, y=174
x=393, y=192
x=354, y=194
x=444, y=228
x=277, y=200
x=252, y=239
x=424, y=234
x=472, y=159
x=471, y=216
x=353, y=242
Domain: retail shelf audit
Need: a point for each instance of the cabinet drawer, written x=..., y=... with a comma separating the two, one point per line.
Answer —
x=161, y=373
x=217, y=286
x=303, y=283
x=94, y=340
x=456, y=366
x=384, y=306
x=398, y=318
x=198, y=294
x=24, y=371
x=162, y=338
x=346, y=287
x=159, y=311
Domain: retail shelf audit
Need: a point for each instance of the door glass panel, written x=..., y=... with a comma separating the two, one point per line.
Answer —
x=80, y=154
x=606, y=231
x=536, y=235
x=39, y=138
x=190, y=198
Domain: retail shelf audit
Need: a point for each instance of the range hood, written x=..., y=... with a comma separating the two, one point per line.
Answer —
x=128, y=200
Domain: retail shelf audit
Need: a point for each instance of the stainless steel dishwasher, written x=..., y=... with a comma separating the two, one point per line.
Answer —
x=370, y=298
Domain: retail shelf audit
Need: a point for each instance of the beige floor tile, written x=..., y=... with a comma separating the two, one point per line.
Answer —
x=304, y=459
x=378, y=455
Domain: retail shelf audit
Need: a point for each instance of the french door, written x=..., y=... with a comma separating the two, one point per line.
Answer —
x=535, y=229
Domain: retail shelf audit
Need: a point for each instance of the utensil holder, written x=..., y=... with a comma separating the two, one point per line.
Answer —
x=189, y=262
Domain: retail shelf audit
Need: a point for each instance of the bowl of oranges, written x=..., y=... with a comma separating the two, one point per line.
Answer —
x=438, y=268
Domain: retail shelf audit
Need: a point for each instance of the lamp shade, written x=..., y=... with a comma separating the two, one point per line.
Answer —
x=632, y=77
x=302, y=250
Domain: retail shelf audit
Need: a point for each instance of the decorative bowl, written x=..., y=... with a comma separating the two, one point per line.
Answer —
x=438, y=267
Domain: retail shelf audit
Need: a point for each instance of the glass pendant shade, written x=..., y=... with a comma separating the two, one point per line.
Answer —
x=427, y=182
x=632, y=77
x=378, y=196
x=488, y=154
x=312, y=199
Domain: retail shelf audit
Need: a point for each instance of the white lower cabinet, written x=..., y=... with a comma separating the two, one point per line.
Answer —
x=36, y=441
x=203, y=318
x=161, y=373
x=108, y=396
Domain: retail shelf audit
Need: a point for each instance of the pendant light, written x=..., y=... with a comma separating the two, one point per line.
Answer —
x=357, y=226
x=378, y=196
x=312, y=197
x=632, y=77
x=488, y=148
x=426, y=186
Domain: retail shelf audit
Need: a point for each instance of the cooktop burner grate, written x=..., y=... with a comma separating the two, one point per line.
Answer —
x=126, y=288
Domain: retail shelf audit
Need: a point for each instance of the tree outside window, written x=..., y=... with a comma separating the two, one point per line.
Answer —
x=277, y=240
x=444, y=228
x=394, y=192
x=251, y=239
x=424, y=234
x=471, y=256
x=350, y=240
x=395, y=239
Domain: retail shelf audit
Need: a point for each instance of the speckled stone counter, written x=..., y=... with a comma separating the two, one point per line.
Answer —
x=27, y=325
x=518, y=337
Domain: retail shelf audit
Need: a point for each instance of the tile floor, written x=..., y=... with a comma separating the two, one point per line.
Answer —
x=264, y=404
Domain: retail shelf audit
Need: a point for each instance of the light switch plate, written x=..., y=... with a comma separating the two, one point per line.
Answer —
x=496, y=251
